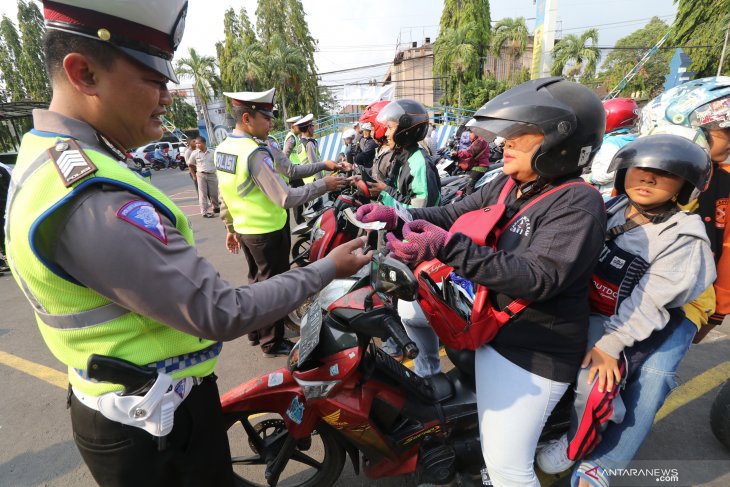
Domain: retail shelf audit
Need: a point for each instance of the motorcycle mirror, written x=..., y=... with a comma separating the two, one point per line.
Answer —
x=393, y=277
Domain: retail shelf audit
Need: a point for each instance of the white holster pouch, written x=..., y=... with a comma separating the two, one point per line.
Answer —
x=154, y=412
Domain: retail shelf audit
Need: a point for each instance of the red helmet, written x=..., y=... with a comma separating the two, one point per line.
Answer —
x=371, y=114
x=620, y=112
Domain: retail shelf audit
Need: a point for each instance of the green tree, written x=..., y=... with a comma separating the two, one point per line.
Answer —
x=459, y=12
x=479, y=91
x=702, y=23
x=455, y=14
x=182, y=114
x=576, y=51
x=456, y=55
x=283, y=62
x=285, y=19
x=31, y=65
x=10, y=54
x=201, y=70
x=513, y=34
x=619, y=61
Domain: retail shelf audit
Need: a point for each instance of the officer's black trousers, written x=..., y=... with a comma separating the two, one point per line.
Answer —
x=267, y=255
x=298, y=210
x=196, y=452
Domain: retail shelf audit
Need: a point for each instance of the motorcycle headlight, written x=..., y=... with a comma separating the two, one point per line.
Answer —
x=316, y=389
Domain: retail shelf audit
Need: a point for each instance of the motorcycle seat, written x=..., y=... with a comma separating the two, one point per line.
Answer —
x=462, y=360
x=441, y=387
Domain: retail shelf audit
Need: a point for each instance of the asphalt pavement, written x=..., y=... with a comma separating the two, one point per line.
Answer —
x=36, y=446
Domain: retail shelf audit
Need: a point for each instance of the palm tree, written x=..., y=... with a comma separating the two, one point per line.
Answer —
x=574, y=48
x=283, y=64
x=513, y=33
x=455, y=53
x=248, y=67
x=201, y=69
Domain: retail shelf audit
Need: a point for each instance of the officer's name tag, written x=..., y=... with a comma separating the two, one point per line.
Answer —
x=226, y=162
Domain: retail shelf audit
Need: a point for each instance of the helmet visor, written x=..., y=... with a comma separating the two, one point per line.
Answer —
x=490, y=128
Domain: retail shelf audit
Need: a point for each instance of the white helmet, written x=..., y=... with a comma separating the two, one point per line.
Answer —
x=349, y=134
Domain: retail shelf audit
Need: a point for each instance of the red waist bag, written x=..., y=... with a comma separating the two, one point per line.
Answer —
x=485, y=321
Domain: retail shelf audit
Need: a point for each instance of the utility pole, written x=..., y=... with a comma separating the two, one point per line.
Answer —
x=724, y=47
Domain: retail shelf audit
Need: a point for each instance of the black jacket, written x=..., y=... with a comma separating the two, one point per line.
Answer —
x=546, y=256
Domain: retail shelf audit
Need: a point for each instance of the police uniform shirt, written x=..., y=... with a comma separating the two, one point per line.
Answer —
x=126, y=264
x=203, y=160
x=262, y=170
x=294, y=171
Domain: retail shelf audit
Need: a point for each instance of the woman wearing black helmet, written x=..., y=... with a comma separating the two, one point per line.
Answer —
x=552, y=129
x=413, y=180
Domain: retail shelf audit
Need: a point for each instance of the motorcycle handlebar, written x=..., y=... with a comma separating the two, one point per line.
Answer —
x=410, y=350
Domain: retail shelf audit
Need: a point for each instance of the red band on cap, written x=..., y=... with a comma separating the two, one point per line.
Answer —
x=119, y=28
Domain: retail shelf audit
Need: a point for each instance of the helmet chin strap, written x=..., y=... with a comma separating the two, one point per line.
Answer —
x=660, y=215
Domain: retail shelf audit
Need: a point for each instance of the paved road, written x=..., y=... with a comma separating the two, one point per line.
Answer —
x=35, y=437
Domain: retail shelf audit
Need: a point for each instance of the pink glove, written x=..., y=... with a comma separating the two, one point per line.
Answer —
x=421, y=241
x=375, y=212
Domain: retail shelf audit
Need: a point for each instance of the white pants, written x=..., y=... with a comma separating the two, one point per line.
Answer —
x=513, y=407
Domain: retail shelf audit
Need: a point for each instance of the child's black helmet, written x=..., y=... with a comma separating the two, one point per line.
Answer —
x=671, y=153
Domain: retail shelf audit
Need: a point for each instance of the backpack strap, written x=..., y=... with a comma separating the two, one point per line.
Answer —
x=516, y=306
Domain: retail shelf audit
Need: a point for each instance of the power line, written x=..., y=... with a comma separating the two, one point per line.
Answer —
x=373, y=65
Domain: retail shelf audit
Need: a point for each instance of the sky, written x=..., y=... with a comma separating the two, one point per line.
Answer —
x=360, y=33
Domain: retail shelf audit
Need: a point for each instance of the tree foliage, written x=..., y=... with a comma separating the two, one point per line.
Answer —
x=479, y=91
x=30, y=23
x=456, y=56
x=513, y=34
x=22, y=73
x=702, y=23
x=182, y=114
x=285, y=20
x=473, y=18
x=459, y=12
x=201, y=70
x=617, y=64
x=579, y=54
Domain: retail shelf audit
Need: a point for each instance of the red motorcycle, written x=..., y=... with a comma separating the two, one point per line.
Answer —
x=340, y=395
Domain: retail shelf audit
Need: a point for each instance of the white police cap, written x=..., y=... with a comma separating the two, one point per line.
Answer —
x=305, y=120
x=293, y=119
x=261, y=101
x=148, y=31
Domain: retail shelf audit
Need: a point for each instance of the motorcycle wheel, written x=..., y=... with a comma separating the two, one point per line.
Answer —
x=316, y=461
x=720, y=415
x=300, y=251
x=296, y=316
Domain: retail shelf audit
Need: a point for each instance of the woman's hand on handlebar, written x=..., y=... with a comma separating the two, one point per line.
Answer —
x=421, y=241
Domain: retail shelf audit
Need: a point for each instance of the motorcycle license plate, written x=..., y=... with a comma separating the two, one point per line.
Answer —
x=309, y=331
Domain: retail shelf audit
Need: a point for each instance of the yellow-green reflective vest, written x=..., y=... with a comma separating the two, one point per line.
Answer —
x=294, y=155
x=304, y=159
x=252, y=211
x=74, y=320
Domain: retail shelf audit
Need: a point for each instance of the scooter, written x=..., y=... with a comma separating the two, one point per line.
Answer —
x=340, y=395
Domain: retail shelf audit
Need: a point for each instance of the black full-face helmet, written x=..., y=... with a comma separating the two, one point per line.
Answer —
x=567, y=114
x=412, y=119
x=670, y=153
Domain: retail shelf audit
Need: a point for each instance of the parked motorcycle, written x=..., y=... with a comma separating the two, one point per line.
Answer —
x=340, y=395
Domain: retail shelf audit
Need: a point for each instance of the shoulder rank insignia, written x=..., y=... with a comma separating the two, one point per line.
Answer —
x=71, y=162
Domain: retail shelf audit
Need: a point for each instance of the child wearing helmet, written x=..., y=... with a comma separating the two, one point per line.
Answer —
x=553, y=128
x=655, y=260
x=621, y=117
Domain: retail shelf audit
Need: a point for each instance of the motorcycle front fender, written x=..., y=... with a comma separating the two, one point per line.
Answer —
x=275, y=392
